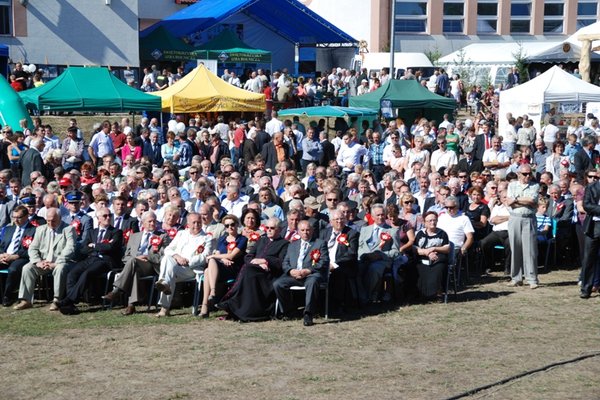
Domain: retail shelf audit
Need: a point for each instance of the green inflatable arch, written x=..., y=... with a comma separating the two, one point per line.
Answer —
x=12, y=108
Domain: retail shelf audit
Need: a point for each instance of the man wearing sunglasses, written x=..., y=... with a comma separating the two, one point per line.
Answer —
x=101, y=251
x=522, y=199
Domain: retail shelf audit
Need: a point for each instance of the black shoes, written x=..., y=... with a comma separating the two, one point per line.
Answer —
x=308, y=320
x=7, y=302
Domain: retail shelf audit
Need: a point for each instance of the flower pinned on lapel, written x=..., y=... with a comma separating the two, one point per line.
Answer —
x=34, y=223
x=385, y=237
x=231, y=246
x=172, y=233
x=564, y=162
x=343, y=239
x=200, y=249
x=560, y=206
x=127, y=234
x=263, y=227
x=77, y=225
x=26, y=242
x=315, y=256
x=295, y=237
x=155, y=242
x=105, y=241
x=254, y=236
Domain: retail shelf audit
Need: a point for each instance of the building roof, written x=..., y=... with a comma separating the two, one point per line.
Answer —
x=307, y=28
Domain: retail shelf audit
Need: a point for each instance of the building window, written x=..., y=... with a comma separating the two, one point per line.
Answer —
x=411, y=16
x=520, y=16
x=586, y=13
x=5, y=17
x=554, y=16
x=454, y=16
x=487, y=17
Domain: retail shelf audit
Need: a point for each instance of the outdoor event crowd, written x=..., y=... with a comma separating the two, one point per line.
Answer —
x=374, y=211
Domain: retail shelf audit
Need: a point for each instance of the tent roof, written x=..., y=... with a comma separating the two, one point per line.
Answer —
x=234, y=48
x=202, y=91
x=328, y=111
x=407, y=94
x=554, y=85
x=503, y=53
x=88, y=89
x=161, y=45
x=289, y=18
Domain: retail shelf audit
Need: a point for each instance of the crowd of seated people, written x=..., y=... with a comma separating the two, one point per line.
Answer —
x=376, y=212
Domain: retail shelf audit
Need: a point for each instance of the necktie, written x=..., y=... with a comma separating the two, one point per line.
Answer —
x=487, y=142
x=332, y=239
x=143, y=250
x=17, y=240
x=118, y=222
x=100, y=235
x=303, y=249
x=289, y=235
x=52, y=237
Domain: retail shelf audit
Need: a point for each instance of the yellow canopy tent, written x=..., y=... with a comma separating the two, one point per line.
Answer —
x=202, y=91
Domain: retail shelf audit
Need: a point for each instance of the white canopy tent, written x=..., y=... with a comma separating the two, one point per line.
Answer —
x=553, y=86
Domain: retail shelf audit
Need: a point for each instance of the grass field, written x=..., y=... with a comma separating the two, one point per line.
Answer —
x=426, y=351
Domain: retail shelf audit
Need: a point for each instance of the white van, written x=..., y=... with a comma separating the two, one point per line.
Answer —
x=374, y=62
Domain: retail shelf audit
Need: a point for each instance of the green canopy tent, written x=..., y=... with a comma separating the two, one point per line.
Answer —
x=228, y=47
x=160, y=45
x=410, y=98
x=88, y=89
x=328, y=111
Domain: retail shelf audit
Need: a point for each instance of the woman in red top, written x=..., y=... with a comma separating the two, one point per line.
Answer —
x=118, y=139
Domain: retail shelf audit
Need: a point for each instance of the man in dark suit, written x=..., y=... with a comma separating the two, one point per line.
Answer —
x=151, y=149
x=469, y=164
x=342, y=243
x=249, y=149
x=306, y=263
x=262, y=137
x=275, y=152
x=483, y=141
x=137, y=264
x=31, y=160
x=101, y=250
x=15, y=242
x=82, y=222
x=328, y=153
x=586, y=158
x=591, y=240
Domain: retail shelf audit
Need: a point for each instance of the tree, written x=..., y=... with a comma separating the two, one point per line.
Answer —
x=521, y=63
x=434, y=55
x=463, y=67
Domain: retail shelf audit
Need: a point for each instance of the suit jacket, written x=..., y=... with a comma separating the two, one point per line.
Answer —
x=429, y=202
x=272, y=251
x=269, y=153
x=133, y=245
x=391, y=248
x=87, y=224
x=583, y=162
x=591, y=205
x=479, y=146
x=562, y=212
x=249, y=150
x=110, y=251
x=328, y=153
x=31, y=160
x=153, y=153
x=63, y=246
x=321, y=267
x=7, y=235
x=261, y=139
x=476, y=165
x=126, y=223
x=345, y=255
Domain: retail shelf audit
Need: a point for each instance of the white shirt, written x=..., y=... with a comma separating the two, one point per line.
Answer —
x=234, y=207
x=274, y=125
x=500, y=210
x=441, y=158
x=456, y=227
x=186, y=245
x=550, y=132
x=350, y=155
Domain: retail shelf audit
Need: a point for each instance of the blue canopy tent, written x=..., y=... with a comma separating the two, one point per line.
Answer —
x=288, y=18
x=4, y=60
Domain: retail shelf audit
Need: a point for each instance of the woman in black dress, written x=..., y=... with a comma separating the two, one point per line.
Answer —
x=433, y=247
x=252, y=297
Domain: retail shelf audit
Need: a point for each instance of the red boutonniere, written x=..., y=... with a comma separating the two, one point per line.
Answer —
x=155, y=242
x=254, y=236
x=34, y=223
x=385, y=237
x=26, y=242
x=263, y=228
x=231, y=246
x=560, y=206
x=77, y=225
x=200, y=249
x=315, y=256
x=295, y=237
x=105, y=241
x=127, y=234
x=343, y=239
x=172, y=233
